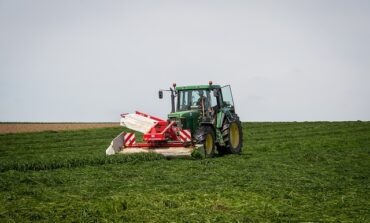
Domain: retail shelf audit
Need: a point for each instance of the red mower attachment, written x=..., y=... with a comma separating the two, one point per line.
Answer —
x=159, y=136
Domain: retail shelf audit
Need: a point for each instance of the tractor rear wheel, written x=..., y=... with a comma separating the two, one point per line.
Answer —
x=206, y=135
x=232, y=134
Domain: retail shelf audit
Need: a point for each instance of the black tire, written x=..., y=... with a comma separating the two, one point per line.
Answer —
x=233, y=143
x=206, y=135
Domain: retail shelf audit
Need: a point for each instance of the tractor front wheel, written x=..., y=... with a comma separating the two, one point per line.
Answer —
x=206, y=135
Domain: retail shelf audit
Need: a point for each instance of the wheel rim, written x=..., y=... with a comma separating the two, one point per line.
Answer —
x=209, y=143
x=234, y=135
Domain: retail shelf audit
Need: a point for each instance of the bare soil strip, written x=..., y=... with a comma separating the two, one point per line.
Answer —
x=39, y=127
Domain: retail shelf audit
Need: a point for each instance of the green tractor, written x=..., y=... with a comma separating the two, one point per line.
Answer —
x=208, y=111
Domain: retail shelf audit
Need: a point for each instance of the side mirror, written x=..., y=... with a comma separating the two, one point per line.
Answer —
x=215, y=92
x=160, y=94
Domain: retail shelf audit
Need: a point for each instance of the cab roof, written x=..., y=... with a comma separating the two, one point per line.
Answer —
x=198, y=87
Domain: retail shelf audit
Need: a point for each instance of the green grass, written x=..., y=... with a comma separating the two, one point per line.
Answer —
x=311, y=171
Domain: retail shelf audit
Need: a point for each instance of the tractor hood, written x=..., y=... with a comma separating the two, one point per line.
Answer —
x=188, y=119
x=183, y=114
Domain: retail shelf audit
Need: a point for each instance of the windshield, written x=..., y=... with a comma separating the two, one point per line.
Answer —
x=189, y=98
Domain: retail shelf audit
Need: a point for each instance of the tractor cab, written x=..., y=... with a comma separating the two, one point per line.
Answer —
x=200, y=104
x=203, y=97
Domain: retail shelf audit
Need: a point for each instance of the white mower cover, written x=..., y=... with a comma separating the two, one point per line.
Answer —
x=137, y=122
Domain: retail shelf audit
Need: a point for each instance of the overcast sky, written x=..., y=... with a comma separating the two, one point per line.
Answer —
x=93, y=60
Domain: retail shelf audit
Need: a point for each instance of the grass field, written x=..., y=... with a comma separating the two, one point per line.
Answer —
x=314, y=171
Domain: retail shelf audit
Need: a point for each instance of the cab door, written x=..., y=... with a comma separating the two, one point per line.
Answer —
x=227, y=100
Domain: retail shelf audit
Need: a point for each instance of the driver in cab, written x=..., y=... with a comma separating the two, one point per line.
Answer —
x=204, y=103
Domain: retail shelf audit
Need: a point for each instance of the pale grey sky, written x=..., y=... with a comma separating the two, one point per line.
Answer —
x=93, y=60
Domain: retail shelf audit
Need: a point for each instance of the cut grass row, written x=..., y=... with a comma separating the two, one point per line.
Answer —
x=64, y=149
x=87, y=160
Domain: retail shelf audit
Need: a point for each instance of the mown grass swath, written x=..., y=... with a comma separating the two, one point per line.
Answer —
x=287, y=172
x=91, y=160
x=67, y=149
